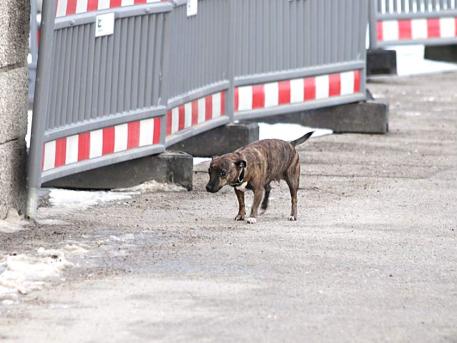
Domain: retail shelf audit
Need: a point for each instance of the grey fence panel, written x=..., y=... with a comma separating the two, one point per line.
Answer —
x=197, y=75
x=278, y=46
x=101, y=97
x=402, y=22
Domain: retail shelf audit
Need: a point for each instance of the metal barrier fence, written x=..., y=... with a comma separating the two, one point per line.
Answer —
x=122, y=79
x=400, y=22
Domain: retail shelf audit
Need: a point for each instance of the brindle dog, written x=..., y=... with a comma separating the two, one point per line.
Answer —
x=254, y=167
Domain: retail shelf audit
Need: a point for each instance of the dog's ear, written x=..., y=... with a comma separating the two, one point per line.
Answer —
x=240, y=164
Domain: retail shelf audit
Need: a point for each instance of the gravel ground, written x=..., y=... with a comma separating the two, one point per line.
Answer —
x=373, y=256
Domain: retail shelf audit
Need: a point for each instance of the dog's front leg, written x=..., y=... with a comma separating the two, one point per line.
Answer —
x=241, y=206
x=258, y=195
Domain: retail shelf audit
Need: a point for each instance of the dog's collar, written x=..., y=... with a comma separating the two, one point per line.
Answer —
x=240, y=179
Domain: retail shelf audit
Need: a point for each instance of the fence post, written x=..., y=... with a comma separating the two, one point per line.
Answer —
x=373, y=28
x=40, y=105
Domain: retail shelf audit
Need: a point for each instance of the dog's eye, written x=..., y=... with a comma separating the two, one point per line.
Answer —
x=222, y=173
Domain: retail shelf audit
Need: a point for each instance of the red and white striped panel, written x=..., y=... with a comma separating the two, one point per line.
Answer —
x=195, y=113
x=417, y=29
x=296, y=91
x=97, y=143
x=71, y=7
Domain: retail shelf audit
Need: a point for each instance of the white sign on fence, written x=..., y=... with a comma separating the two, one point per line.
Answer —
x=104, y=25
x=192, y=7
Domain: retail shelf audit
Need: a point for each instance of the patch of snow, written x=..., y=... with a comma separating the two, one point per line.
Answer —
x=151, y=186
x=410, y=61
x=288, y=132
x=199, y=160
x=13, y=222
x=70, y=199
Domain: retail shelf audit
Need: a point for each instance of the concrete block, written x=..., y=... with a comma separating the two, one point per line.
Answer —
x=12, y=177
x=220, y=140
x=13, y=104
x=168, y=167
x=364, y=117
x=444, y=53
x=381, y=62
x=14, y=32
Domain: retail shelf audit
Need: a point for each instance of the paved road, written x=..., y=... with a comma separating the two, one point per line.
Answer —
x=373, y=256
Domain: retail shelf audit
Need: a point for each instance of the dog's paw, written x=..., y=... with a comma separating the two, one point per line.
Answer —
x=251, y=220
x=292, y=218
x=239, y=217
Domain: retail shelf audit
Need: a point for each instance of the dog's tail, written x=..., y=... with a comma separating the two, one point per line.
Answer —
x=302, y=139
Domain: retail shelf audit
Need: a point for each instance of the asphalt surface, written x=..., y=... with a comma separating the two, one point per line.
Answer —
x=373, y=256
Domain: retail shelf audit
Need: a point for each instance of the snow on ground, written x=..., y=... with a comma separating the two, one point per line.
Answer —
x=22, y=273
x=410, y=61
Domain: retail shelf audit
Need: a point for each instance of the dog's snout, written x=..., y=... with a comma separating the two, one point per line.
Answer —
x=208, y=188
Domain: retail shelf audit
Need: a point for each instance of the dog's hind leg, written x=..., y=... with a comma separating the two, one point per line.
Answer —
x=266, y=198
x=292, y=178
x=241, y=206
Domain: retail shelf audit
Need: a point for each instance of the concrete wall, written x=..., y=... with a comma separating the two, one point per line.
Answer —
x=14, y=28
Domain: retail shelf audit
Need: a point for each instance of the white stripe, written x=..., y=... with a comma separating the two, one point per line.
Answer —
x=297, y=90
x=347, y=83
x=447, y=27
x=201, y=110
x=419, y=28
x=245, y=98
x=149, y=1
x=322, y=87
x=390, y=30
x=188, y=115
x=146, y=132
x=61, y=8
x=127, y=2
x=71, y=155
x=175, y=120
x=49, y=155
x=103, y=4
x=81, y=6
x=271, y=94
x=216, y=98
x=121, y=133
x=96, y=143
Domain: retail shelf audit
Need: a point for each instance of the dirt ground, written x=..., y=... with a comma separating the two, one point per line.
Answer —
x=373, y=256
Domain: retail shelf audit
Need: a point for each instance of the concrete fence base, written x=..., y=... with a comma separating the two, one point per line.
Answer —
x=381, y=62
x=444, y=53
x=14, y=28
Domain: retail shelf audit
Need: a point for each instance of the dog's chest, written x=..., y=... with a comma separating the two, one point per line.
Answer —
x=243, y=187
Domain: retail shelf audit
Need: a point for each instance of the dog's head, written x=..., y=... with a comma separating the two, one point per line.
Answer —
x=225, y=170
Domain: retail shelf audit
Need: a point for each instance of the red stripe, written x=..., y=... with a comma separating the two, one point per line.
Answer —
x=455, y=26
x=83, y=146
x=108, y=140
x=133, y=136
x=208, y=108
x=61, y=151
x=157, y=129
x=404, y=29
x=182, y=117
x=237, y=101
x=169, y=119
x=139, y=2
x=222, y=103
x=433, y=28
x=92, y=5
x=115, y=3
x=258, y=96
x=284, y=92
x=379, y=31
x=357, y=81
x=335, y=84
x=71, y=7
x=194, y=112
x=310, y=88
